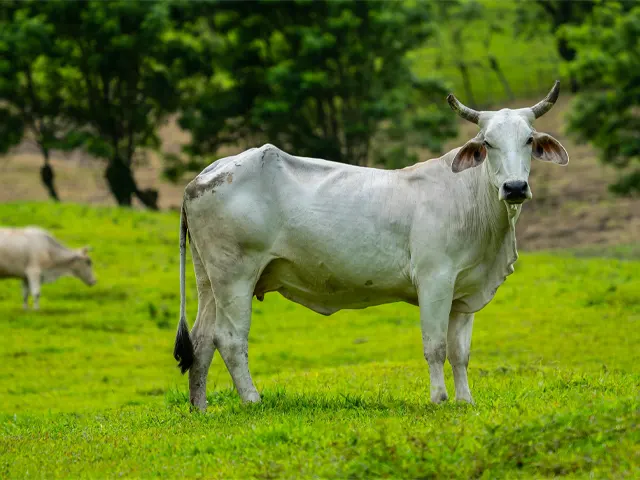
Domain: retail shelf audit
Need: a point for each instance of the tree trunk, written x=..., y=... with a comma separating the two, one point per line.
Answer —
x=123, y=186
x=47, y=176
x=464, y=72
x=568, y=54
x=149, y=197
x=495, y=66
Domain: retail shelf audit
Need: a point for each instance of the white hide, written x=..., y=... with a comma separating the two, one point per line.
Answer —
x=332, y=236
x=34, y=256
x=353, y=237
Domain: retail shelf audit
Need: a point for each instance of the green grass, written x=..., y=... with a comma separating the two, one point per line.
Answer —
x=89, y=388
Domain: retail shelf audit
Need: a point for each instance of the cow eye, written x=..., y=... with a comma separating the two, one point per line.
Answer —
x=487, y=144
x=529, y=140
x=89, y=261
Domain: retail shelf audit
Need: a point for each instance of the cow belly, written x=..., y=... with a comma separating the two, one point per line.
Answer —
x=5, y=274
x=325, y=293
x=14, y=254
x=10, y=269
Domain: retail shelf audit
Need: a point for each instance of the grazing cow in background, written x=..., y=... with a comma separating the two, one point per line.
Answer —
x=439, y=234
x=33, y=255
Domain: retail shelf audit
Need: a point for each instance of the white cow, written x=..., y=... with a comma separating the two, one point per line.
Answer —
x=33, y=255
x=330, y=236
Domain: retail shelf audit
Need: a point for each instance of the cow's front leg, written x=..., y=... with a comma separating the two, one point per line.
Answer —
x=458, y=349
x=435, y=306
x=33, y=278
x=25, y=293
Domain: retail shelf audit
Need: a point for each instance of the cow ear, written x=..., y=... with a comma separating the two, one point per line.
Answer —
x=548, y=149
x=470, y=155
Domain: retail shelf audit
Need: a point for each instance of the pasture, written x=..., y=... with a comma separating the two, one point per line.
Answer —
x=89, y=388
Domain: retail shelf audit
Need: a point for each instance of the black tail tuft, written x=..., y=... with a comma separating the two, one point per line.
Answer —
x=183, y=349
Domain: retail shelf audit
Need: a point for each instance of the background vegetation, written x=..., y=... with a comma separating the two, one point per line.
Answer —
x=358, y=82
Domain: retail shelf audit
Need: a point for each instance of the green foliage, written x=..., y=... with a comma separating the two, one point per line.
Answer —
x=31, y=84
x=11, y=129
x=556, y=13
x=358, y=82
x=115, y=66
x=608, y=68
x=550, y=17
x=476, y=36
x=98, y=75
x=123, y=65
x=89, y=388
x=341, y=80
x=326, y=79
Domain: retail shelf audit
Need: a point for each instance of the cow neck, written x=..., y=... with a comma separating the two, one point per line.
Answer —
x=66, y=257
x=61, y=267
x=53, y=273
x=497, y=222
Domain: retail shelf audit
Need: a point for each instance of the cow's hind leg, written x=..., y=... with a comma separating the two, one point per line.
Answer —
x=233, y=320
x=202, y=335
x=25, y=293
x=458, y=349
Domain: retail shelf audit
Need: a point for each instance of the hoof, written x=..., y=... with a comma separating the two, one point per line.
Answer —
x=439, y=398
x=253, y=397
x=198, y=406
x=467, y=400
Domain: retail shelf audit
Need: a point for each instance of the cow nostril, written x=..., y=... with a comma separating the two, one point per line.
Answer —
x=515, y=191
x=515, y=187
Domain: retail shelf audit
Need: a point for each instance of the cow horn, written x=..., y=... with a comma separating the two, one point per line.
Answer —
x=545, y=105
x=462, y=110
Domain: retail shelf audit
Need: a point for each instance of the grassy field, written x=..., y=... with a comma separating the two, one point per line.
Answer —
x=89, y=388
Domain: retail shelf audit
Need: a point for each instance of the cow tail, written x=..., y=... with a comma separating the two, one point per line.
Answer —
x=183, y=349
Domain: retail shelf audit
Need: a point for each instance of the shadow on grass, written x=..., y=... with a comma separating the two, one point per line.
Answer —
x=44, y=311
x=279, y=401
x=61, y=318
x=95, y=295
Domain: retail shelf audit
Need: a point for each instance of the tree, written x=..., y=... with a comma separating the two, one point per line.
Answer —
x=558, y=14
x=122, y=64
x=463, y=19
x=326, y=79
x=607, y=66
x=30, y=85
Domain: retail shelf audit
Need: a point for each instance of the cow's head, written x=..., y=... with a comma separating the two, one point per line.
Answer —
x=81, y=266
x=507, y=141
